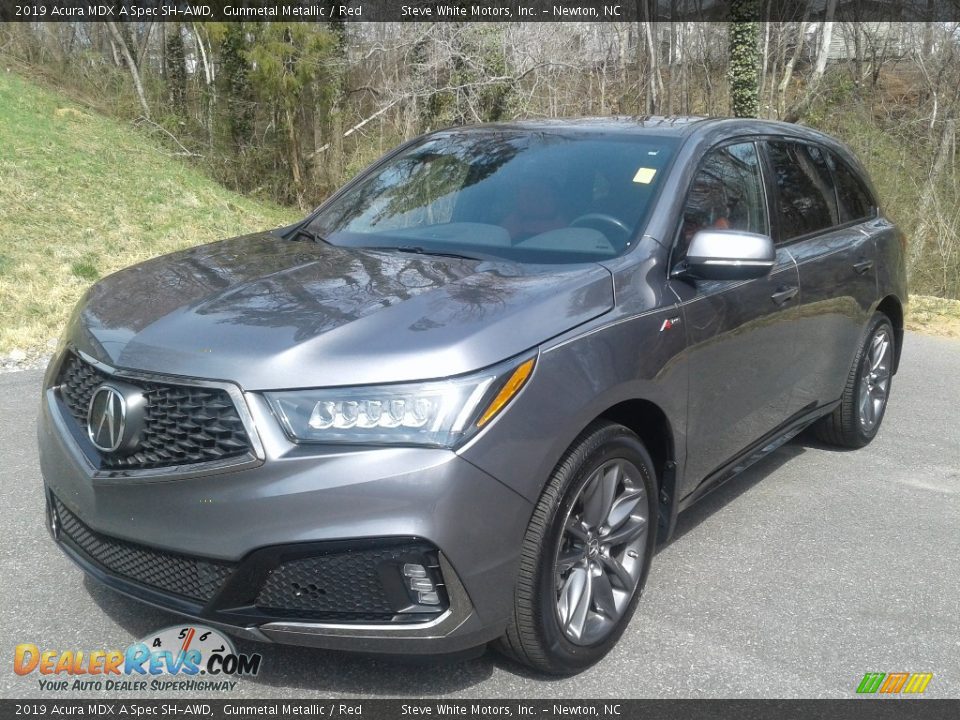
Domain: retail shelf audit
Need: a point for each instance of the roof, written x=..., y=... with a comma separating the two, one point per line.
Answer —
x=692, y=131
x=677, y=126
x=647, y=124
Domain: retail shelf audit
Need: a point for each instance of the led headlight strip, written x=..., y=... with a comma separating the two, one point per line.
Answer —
x=438, y=413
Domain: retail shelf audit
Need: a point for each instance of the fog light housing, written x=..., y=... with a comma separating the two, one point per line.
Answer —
x=411, y=570
x=423, y=584
x=430, y=598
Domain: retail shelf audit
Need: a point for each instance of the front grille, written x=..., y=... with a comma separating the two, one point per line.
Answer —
x=172, y=573
x=183, y=424
x=346, y=585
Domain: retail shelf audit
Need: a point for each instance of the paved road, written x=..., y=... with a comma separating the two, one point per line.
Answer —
x=812, y=568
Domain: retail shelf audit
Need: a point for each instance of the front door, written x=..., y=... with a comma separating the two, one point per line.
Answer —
x=741, y=335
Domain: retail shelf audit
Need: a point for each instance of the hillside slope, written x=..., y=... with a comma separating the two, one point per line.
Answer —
x=82, y=196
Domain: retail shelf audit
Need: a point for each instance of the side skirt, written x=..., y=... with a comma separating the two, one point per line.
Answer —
x=755, y=452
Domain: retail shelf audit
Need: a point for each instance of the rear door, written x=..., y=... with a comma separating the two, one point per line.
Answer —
x=821, y=210
x=741, y=335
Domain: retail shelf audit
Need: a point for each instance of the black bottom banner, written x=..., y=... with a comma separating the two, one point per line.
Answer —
x=853, y=709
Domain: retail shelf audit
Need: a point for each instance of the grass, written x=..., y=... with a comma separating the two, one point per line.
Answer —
x=934, y=316
x=81, y=196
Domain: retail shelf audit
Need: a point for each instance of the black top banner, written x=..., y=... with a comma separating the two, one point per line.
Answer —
x=476, y=10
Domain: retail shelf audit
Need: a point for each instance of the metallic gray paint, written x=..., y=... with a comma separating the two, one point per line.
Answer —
x=260, y=312
x=267, y=313
x=741, y=348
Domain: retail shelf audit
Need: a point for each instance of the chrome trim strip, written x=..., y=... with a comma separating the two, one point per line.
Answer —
x=738, y=263
x=387, y=629
x=172, y=472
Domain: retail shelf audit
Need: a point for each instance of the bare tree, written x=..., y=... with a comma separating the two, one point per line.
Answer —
x=131, y=66
x=800, y=107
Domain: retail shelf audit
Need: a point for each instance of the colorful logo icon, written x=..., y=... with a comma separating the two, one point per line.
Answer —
x=892, y=683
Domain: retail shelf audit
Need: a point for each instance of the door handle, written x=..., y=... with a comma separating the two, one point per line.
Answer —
x=861, y=267
x=784, y=294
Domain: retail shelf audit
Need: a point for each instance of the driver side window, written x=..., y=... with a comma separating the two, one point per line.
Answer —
x=726, y=194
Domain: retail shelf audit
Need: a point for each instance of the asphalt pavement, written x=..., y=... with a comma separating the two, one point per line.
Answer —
x=812, y=568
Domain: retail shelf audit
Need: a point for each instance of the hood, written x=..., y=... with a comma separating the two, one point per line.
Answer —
x=269, y=313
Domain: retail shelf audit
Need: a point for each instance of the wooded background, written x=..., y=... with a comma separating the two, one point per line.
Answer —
x=289, y=111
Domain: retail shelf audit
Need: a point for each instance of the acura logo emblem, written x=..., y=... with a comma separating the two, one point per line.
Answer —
x=106, y=418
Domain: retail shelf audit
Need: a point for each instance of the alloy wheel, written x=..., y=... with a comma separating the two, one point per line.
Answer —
x=875, y=379
x=600, y=552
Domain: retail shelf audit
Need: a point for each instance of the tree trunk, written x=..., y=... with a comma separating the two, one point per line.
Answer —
x=643, y=69
x=791, y=64
x=764, y=55
x=211, y=89
x=744, y=57
x=800, y=108
x=623, y=44
x=294, y=155
x=654, y=78
x=928, y=197
x=131, y=66
x=144, y=44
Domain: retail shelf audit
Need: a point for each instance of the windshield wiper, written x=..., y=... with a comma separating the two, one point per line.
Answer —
x=311, y=235
x=412, y=249
x=418, y=250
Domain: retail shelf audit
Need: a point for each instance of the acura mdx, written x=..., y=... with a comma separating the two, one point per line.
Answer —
x=463, y=400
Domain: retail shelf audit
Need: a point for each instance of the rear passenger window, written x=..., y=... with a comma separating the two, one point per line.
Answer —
x=855, y=200
x=804, y=187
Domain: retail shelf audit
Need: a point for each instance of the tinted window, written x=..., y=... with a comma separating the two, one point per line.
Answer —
x=726, y=194
x=855, y=200
x=807, y=202
x=525, y=196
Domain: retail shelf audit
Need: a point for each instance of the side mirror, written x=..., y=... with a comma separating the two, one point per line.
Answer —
x=728, y=255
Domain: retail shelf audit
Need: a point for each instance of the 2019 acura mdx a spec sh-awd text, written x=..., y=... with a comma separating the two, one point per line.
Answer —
x=463, y=399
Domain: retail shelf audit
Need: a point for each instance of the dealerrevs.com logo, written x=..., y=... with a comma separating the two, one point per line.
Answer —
x=183, y=657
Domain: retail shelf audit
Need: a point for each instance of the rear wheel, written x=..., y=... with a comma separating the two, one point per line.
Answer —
x=855, y=422
x=586, y=553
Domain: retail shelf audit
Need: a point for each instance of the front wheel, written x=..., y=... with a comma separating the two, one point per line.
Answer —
x=586, y=553
x=857, y=418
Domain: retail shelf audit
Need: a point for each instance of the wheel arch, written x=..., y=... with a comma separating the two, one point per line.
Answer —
x=651, y=424
x=893, y=309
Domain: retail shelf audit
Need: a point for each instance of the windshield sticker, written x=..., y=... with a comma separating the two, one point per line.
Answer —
x=644, y=175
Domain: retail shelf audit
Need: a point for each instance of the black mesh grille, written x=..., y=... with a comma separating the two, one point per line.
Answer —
x=177, y=574
x=345, y=584
x=183, y=424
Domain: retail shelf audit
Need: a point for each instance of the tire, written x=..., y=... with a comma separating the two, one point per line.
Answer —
x=850, y=425
x=550, y=631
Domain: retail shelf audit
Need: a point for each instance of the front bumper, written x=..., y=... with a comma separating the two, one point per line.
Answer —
x=300, y=502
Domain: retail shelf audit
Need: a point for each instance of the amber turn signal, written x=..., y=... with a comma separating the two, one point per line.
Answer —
x=510, y=388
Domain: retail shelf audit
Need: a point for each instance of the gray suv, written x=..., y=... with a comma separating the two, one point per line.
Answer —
x=463, y=399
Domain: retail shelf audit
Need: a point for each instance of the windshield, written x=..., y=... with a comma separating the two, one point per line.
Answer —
x=523, y=196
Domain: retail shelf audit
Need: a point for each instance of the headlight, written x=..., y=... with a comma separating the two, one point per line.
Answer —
x=438, y=413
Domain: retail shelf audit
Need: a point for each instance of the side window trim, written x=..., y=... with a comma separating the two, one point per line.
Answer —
x=770, y=188
x=764, y=184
